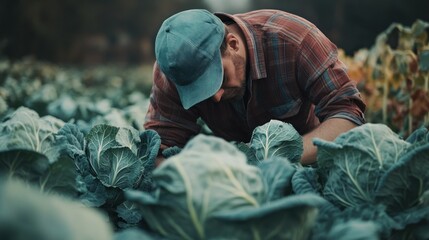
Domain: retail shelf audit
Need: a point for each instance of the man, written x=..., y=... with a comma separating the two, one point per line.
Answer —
x=240, y=71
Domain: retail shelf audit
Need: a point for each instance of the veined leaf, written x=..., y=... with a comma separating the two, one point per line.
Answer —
x=305, y=180
x=406, y=183
x=93, y=192
x=277, y=138
x=207, y=176
x=129, y=211
x=73, y=143
x=128, y=137
x=419, y=135
x=100, y=138
x=248, y=151
x=288, y=218
x=277, y=173
x=119, y=167
x=209, y=186
x=23, y=163
x=353, y=164
x=72, y=139
x=24, y=129
x=353, y=181
x=60, y=177
x=150, y=142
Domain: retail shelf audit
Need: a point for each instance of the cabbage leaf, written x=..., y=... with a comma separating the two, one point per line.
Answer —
x=406, y=185
x=119, y=167
x=100, y=138
x=277, y=138
x=24, y=129
x=353, y=164
x=209, y=186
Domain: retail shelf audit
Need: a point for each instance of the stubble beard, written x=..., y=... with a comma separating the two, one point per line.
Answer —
x=237, y=93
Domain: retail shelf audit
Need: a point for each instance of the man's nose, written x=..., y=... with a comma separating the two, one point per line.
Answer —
x=218, y=95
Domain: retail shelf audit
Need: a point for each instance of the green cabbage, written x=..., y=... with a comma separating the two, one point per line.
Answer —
x=277, y=139
x=208, y=191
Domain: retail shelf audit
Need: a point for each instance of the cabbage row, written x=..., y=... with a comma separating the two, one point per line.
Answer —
x=367, y=184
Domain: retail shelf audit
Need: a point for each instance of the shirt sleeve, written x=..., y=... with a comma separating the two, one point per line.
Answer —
x=166, y=116
x=324, y=80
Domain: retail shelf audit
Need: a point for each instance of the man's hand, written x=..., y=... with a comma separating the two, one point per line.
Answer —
x=328, y=130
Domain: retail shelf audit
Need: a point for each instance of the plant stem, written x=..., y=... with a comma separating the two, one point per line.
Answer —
x=427, y=92
x=410, y=116
x=385, y=94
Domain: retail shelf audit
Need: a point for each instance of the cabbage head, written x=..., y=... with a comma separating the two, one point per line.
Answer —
x=353, y=164
x=208, y=191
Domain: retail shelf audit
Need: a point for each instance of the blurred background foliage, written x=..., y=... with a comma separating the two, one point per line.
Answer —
x=89, y=32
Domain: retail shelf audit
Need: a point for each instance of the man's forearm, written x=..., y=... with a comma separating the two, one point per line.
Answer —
x=327, y=130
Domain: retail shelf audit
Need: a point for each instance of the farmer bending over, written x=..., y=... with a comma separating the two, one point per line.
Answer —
x=240, y=71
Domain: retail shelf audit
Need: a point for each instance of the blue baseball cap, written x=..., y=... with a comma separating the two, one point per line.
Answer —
x=187, y=50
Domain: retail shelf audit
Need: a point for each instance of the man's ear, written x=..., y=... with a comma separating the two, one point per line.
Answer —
x=232, y=42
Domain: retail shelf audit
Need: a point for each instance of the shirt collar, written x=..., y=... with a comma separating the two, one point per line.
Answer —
x=254, y=45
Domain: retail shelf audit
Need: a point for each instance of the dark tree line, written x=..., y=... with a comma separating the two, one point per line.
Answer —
x=354, y=24
x=122, y=31
x=83, y=31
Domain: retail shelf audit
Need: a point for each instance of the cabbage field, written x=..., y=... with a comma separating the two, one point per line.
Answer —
x=76, y=162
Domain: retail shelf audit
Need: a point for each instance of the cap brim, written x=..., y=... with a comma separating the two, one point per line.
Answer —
x=204, y=87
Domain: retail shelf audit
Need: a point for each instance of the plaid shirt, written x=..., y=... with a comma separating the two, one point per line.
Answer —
x=294, y=76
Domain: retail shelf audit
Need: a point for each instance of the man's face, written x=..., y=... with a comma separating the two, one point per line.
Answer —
x=234, y=78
